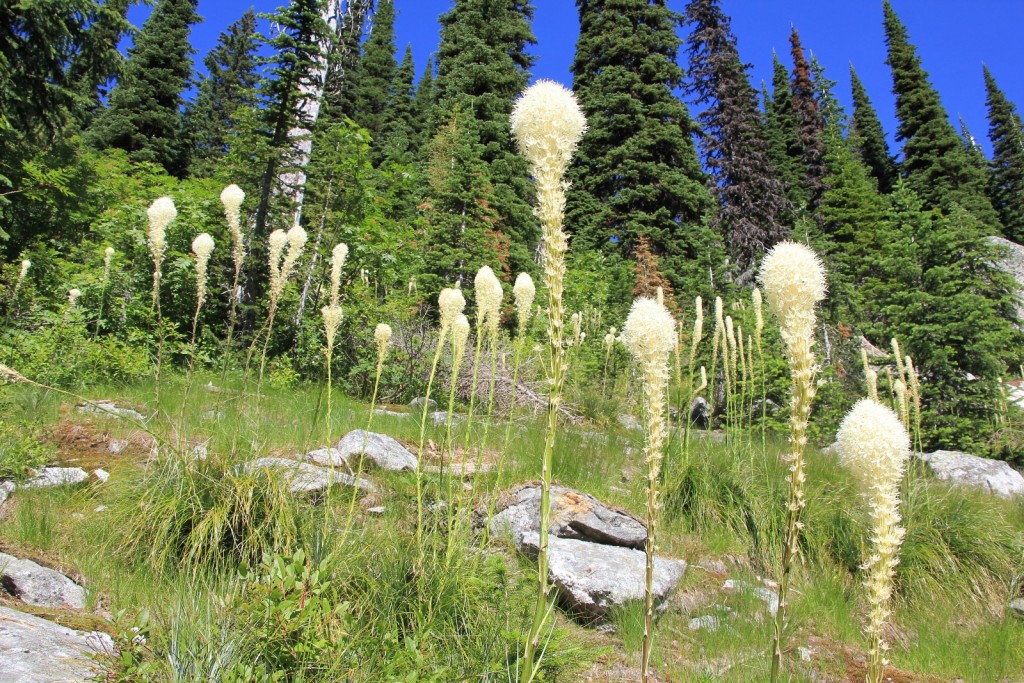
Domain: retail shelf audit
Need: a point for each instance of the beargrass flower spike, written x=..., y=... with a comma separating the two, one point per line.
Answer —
x=524, y=292
x=451, y=303
x=232, y=197
x=338, y=257
x=161, y=213
x=276, y=243
x=488, y=300
x=25, y=265
x=202, y=247
x=794, y=282
x=73, y=295
x=547, y=124
x=650, y=336
x=874, y=445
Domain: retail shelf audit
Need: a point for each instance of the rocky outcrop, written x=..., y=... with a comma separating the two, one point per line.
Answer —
x=574, y=515
x=56, y=476
x=1011, y=261
x=304, y=478
x=379, y=450
x=110, y=409
x=962, y=469
x=592, y=578
x=34, y=650
x=37, y=585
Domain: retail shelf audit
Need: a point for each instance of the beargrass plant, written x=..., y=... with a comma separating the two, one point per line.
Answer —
x=650, y=335
x=332, y=316
x=873, y=443
x=202, y=248
x=161, y=214
x=794, y=281
x=547, y=123
x=281, y=267
x=231, y=197
x=108, y=258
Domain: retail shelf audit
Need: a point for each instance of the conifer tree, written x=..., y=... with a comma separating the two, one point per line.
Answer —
x=396, y=142
x=811, y=125
x=637, y=186
x=343, y=62
x=423, y=104
x=482, y=66
x=375, y=73
x=935, y=163
x=462, y=226
x=782, y=132
x=1007, y=178
x=230, y=83
x=97, y=60
x=144, y=114
x=868, y=137
x=754, y=205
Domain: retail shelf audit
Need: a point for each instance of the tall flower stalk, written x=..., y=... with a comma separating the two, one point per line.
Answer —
x=202, y=247
x=161, y=213
x=450, y=303
x=232, y=197
x=875, y=446
x=489, y=295
x=650, y=335
x=794, y=282
x=332, y=316
x=547, y=124
x=281, y=261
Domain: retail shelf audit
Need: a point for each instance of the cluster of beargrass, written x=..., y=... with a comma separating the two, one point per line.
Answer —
x=283, y=590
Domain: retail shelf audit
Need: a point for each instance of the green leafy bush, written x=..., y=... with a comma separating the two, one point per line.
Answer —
x=22, y=449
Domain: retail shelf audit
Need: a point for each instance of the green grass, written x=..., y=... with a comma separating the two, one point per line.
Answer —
x=183, y=540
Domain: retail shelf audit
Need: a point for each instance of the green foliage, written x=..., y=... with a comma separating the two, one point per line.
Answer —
x=374, y=76
x=1006, y=130
x=22, y=449
x=143, y=116
x=868, y=138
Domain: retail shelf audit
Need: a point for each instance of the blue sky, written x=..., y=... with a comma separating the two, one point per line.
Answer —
x=952, y=42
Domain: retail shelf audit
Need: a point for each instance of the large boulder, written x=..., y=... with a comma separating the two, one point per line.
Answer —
x=110, y=409
x=1011, y=261
x=962, y=469
x=575, y=515
x=420, y=403
x=34, y=650
x=592, y=578
x=380, y=451
x=56, y=476
x=40, y=586
x=305, y=478
x=6, y=489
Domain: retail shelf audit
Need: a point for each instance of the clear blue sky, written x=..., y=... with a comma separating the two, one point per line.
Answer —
x=953, y=38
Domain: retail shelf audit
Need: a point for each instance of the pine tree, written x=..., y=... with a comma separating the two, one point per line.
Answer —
x=482, y=65
x=637, y=176
x=144, y=114
x=97, y=60
x=343, y=62
x=935, y=163
x=782, y=132
x=754, y=205
x=375, y=73
x=423, y=104
x=868, y=137
x=230, y=83
x=1007, y=135
x=811, y=125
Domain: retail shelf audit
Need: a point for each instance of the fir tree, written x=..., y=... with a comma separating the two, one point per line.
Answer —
x=782, y=131
x=935, y=163
x=811, y=125
x=396, y=142
x=462, y=226
x=423, y=104
x=754, y=205
x=375, y=73
x=637, y=176
x=343, y=62
x=144, y=115
x=230, y=83
x=1007, y=135
x=98, y=60
x=482, y=65
x=868, y=137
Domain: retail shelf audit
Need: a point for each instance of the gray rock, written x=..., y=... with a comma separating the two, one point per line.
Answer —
x=1016, y=608
x=961, y=469
x=574, y=515
x=110, y=409
x=37, y=585
x=34, y=650
x=101, y=474
x=768, y=597
x=56, y=476
x=439, y=418
x=629, y=422
x=384, y=412
x=708, y=622
x=592, y=578
x=305, y=478
x=418, y=403
x=6, y=489
x=325, y=456
x=380, y=451
x=376, y=510
x=700, y=413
